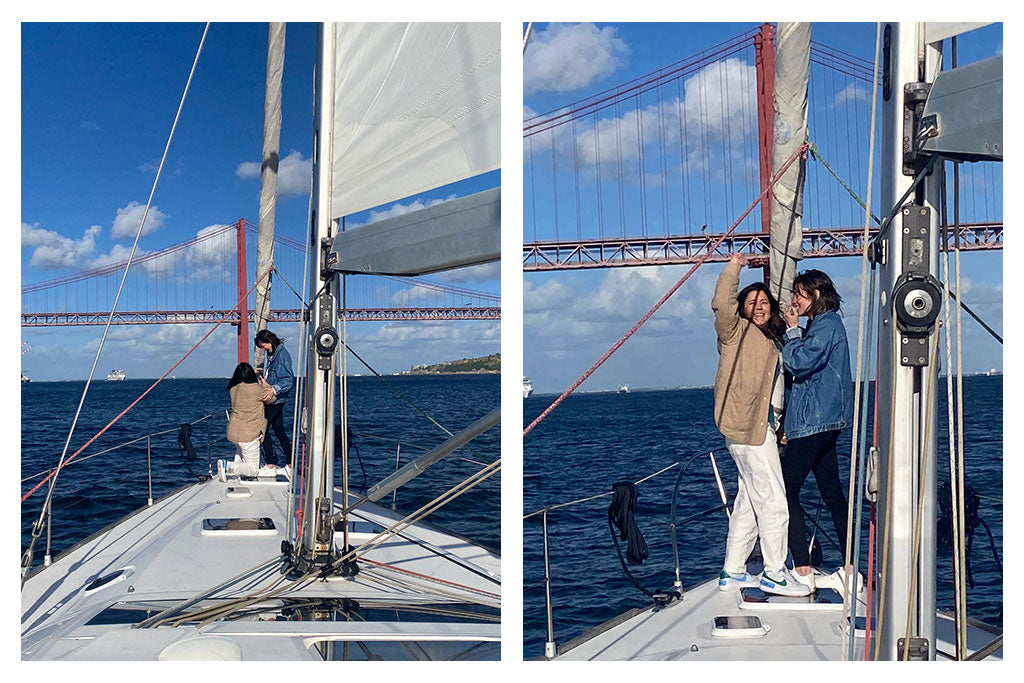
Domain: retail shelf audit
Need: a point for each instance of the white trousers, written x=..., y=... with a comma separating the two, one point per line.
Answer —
x=247, y=458
x=760, y=507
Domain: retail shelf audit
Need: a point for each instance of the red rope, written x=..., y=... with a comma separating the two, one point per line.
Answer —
x=622, y=340
x=143, y=395
x=429, y=578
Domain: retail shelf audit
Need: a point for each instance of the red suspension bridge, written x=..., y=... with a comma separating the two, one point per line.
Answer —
x=202, y=279
x=651, y=172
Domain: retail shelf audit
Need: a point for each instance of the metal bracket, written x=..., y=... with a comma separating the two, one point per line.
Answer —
x=916, y=297
x=915, y=95
x=918, y=649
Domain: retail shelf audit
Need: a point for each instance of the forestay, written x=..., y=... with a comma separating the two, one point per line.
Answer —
x=416, y=106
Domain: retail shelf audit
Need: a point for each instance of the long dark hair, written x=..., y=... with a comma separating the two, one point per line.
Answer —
x=268, y=337
x=775, y=328
x=828, y=298
x=244, y=374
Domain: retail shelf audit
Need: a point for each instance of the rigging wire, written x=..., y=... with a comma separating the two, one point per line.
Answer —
x=858, y=422
x=110, y=317
x=615, y=347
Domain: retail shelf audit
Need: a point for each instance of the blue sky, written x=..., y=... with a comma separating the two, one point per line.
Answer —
x=97, y=103
x=571, y=318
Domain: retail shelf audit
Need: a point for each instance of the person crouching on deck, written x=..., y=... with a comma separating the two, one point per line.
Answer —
x=748, y=402
x=247, y=424
x=819, y=405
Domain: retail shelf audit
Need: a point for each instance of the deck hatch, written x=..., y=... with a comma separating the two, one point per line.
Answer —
x=101, y=581
x=239, y=526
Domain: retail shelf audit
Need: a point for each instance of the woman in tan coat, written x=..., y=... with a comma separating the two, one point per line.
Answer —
x=247, y=423
x=748, y=402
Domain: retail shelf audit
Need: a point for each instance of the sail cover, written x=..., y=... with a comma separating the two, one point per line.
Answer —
x=416, y=106
x=792, y=61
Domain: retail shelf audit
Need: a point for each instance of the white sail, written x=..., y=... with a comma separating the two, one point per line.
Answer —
x=268, y=176
x=792, y=61
x=416, y=106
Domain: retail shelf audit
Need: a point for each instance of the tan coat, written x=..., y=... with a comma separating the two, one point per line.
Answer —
x=247, y=421
x=746, y=366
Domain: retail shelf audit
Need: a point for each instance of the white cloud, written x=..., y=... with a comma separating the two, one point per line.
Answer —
x=480, y=273
x=126, y=223
x=851, y=93
x=53, y=250
x=718, y=105
x=294, y=174
x=117, y=254
x=567, y=57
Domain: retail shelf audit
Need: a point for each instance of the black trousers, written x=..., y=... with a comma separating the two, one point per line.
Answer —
x=815, y=453
x=275, y=425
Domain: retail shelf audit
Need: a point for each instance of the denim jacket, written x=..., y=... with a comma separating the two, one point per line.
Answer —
x=278, y=372
x=821, y=397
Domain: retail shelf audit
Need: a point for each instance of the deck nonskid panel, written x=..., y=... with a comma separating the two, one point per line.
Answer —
x=201, y=536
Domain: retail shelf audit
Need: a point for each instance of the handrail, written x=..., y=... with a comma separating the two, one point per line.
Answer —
x=550, y=648
x=121, y=445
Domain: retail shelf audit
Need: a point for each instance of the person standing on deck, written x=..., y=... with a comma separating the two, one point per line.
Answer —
x=280, y=378
x=748, y=403
x=819, y=405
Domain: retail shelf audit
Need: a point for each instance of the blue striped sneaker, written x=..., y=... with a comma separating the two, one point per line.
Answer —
x=732, y=582
x=782, y=582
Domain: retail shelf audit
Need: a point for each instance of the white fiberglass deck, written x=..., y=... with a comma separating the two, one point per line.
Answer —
x=797, y=630
x=168, y=556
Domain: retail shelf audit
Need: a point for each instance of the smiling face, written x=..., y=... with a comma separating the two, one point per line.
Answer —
x=756, y=308
x=802, y=299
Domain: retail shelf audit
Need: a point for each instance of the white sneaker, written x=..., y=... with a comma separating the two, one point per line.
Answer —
x=220, y=471
x=783, y=582
x=806, y=579
x=730, y=582
x=837, y=581
x=286, y=471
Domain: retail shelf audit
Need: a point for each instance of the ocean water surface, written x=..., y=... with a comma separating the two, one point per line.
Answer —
x=593, y=440
x=92, y=493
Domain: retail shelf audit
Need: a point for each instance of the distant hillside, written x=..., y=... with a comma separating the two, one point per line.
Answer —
x=487, y=364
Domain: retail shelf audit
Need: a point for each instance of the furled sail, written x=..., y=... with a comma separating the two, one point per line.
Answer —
x=416, y=106
x=792, y=61
x=268, y=176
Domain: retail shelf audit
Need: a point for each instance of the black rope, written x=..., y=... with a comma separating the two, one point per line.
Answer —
x=351, y=445
x=972, y=520
x=621, y=517
x=188, y=450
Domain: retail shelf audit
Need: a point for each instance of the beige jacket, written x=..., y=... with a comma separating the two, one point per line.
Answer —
x=247, y=421
x=746, y=366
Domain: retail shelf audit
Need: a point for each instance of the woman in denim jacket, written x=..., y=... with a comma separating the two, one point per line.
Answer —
x=818, y=406
x=280, y=378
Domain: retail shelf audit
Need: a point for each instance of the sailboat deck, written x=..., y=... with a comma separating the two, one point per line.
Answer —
x=168, y=554
x=798, y=629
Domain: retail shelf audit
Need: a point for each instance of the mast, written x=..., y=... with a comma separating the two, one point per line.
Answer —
x=928, y=115
x=907, y=401
x=316, y=542
x=268, y=177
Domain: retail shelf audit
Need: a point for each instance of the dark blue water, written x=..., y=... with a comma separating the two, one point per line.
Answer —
x=96, y=492
x=593, y=440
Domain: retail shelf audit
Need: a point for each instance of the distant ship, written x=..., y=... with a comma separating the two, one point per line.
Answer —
x=24, y=378
x=993, y=372
x=527, y=387
x=115, y=375
x=623, y=388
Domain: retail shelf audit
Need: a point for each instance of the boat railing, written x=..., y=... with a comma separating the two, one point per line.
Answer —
x=148, y=438
x=550, y=649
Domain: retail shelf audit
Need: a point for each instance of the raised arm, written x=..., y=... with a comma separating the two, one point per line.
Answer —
x=723, y=303
x=803, y=355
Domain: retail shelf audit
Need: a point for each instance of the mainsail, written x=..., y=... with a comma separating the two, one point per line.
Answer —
x=268, y=175
x=792, y=61
x=416, y=106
